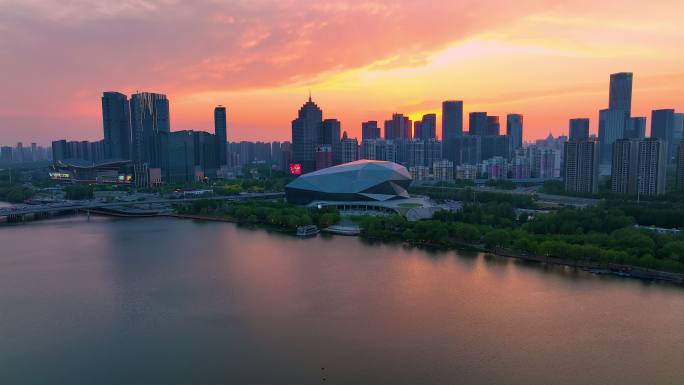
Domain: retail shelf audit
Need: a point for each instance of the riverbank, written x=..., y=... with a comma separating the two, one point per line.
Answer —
x=622, y=270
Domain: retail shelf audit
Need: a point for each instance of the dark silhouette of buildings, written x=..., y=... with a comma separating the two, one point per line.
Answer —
x=581, y=165
x=493, y=125
x=621, y=92
x=579, y=129
x=477, y=123
x=636, y=128
x=116, y=124
x=305, y=132
x=149, y=116
x=426, y=128
x=220, y=131
x=370, y=130
x=663, y=127
x=611, y=128
x=330, y=135
x=514, y=129
x=398, y=128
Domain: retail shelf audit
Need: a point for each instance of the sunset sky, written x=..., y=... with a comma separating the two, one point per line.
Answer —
x=362, y=60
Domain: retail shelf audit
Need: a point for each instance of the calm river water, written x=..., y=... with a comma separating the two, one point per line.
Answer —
x=162, y=301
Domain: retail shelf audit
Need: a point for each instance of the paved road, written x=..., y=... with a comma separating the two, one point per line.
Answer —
x=93, y=204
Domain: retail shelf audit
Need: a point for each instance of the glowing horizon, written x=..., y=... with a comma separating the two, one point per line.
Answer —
x=548, y=60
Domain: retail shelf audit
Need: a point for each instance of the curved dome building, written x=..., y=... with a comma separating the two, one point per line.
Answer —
x=362, y=180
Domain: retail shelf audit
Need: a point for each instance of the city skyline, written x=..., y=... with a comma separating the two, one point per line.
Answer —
x=251, y=55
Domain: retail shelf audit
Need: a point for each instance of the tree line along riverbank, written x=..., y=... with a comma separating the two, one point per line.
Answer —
x=603, y=234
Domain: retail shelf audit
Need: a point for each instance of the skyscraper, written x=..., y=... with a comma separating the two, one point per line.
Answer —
x=181, y=157
x=652, y=171
x=433, y=151
x=581, y=166
x=662, y=127
x=467, y=150
x=428, y=127
x=623, y=176
x=678, y=128
x=60, y=150
x=221, y=135
x=116, y=122
x=514, y=129
x=452, y=126
x=350, y=149
x=636, y=128
x=493, y=125
x=149, y=116
x=611, y=127
x=330, y=135
x=452, y=119
x=680, y=166
x=305, y=131
x=477, y=123
x=399, y=127
x=621, y=92
x=370, y=130
x=495, y=145
x=579, y=129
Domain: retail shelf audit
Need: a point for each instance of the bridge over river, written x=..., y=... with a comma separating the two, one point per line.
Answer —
x=18, y=213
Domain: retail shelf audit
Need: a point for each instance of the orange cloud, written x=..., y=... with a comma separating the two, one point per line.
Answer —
x=549, y=60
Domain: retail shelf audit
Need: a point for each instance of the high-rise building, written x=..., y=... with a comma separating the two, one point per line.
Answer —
x=544, y=163
x=305, y=131
x=612, y=125
x=221, y=135
x=387, y=150
x=636, y=128
x=652, y=172
x=60, y=150
x=276, y=153
x=181, y=157
x=6, y=154
x=399, y=128
x=206, y=153
x=330, y=134
x=452, y=119
x=514, y=129
x=443, y=170
x=247, y=152
x=678, y=128
x=477, y=123
x=639, y=167
x=350, y=149
x=496, y=145
x=370, y=130
x=368, y=147
x=433, y=151
x=149, y=116
x=324, y=156
x=581, y=166
x=663, y=127
x=493, y=125
x=623, y=176
x=416, y=153
x=621, y=92
x=452, y=126
x=116, y=122
x=285, y=155
x=467, y=150
x=428, y=127
x=579, y=129
x=680, y=166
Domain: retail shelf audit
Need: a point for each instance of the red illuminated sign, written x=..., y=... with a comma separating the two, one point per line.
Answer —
x=296, y=168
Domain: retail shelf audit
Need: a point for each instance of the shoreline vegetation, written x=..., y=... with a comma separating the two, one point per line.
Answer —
x=601, y=239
